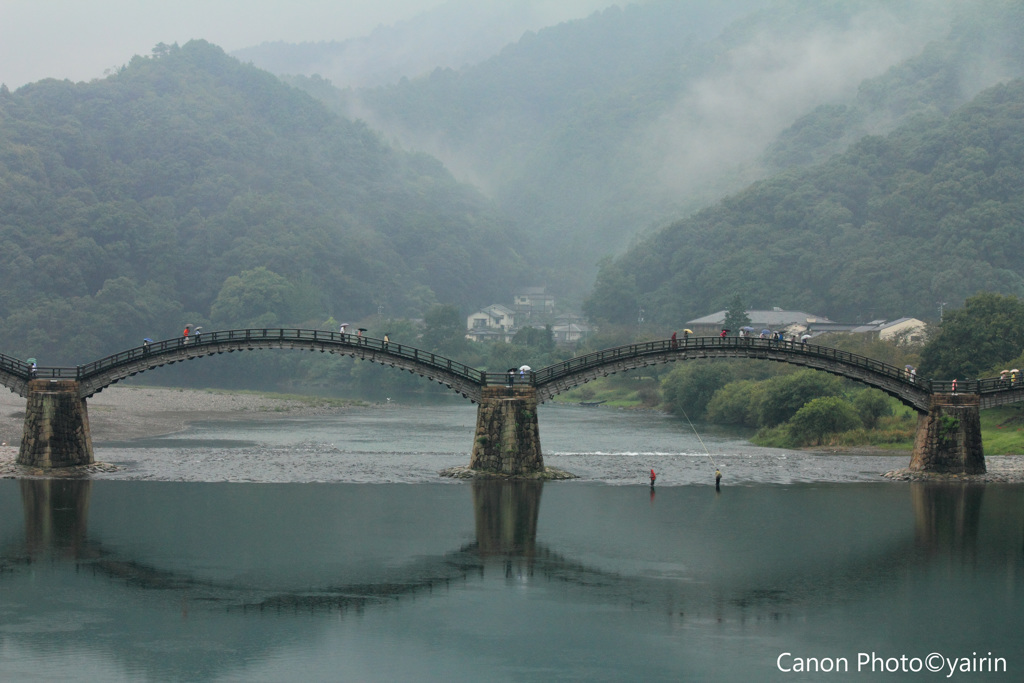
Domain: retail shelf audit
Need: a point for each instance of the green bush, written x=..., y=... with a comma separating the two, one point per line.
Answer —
x=872, y=405
x=736, y=403
x=821, y=417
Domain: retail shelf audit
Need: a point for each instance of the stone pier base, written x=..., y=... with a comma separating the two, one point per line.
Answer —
x=56, y=426
x=948, y=438
x=507, y=440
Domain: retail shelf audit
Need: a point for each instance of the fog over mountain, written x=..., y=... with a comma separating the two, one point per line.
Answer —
x=593, y=131
x=453, y=35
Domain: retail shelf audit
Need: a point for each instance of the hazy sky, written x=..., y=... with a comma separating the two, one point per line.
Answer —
x=80, y=39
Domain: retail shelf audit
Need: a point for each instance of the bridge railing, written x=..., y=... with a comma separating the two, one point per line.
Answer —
x=607, y=356
x=526, y=378
x=14, y=366
x=269, y=335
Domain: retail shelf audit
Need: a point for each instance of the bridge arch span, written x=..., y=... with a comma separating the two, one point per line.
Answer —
x=96, y=376
x=561, y=377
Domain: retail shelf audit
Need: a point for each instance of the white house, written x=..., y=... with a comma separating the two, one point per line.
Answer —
x=494, y=322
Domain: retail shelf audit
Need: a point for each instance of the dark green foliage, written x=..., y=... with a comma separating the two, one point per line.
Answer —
x=975, y=340
x=872, y=405
x=736, y=403
x=689, y=387
x=190, y=188
x=445, y=332
x=931, y=213
x=541, y=339
x=821, y=417
x=783, y=396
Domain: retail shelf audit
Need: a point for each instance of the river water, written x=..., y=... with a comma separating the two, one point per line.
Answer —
x=328, y=548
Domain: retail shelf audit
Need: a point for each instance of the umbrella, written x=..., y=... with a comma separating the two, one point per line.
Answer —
x=748, y=328
x=1015, y=370
x=31, y=361
x=766, y=331
x=688, y=331
x=524, y=368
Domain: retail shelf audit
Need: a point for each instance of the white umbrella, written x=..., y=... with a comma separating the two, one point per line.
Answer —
x=524, y=368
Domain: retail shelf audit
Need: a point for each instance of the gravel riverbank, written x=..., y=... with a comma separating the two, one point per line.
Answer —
x=122, y=413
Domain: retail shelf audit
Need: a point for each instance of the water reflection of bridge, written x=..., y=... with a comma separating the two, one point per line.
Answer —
x=56, y=423
x=947, y=527
x=947, y=520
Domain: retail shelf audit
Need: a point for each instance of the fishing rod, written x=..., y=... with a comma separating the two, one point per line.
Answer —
x=718, y=473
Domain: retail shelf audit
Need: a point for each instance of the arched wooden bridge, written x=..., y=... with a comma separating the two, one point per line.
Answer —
x=550, y=381
x=487, y=387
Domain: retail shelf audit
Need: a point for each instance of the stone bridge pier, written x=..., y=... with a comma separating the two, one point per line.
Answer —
x=948, y=439
x=507, y=440
x=56, y=430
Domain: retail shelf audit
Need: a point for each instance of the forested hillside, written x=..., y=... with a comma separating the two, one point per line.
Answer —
x=931, y=214
x=594, y=131
x=190, y=188
x=985, y=45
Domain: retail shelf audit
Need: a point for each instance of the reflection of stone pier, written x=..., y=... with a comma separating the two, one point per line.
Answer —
x=56, y=512
x=506, y=516
x=947, y=516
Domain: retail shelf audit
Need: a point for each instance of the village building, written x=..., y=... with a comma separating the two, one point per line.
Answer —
x=532, y=303
x=493, y=323
x=775, y=319
x=799, y=323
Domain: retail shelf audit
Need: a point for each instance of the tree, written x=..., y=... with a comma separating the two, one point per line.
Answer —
x=784, y=396
x=689, y=388
x=823, y=416
x=254, y=298
x=736, y=317
x=975, y=340
x=540, y=338
x=871, y=404
x=444, y=331
x=615, y=297
x=736, y=403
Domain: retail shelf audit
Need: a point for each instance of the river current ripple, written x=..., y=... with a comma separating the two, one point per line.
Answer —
x=412, y=443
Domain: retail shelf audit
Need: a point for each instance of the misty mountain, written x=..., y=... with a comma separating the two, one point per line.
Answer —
x=932, y=213
x=593, y=131
x=189, y=187
x=984, y=46
x=453, y=35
